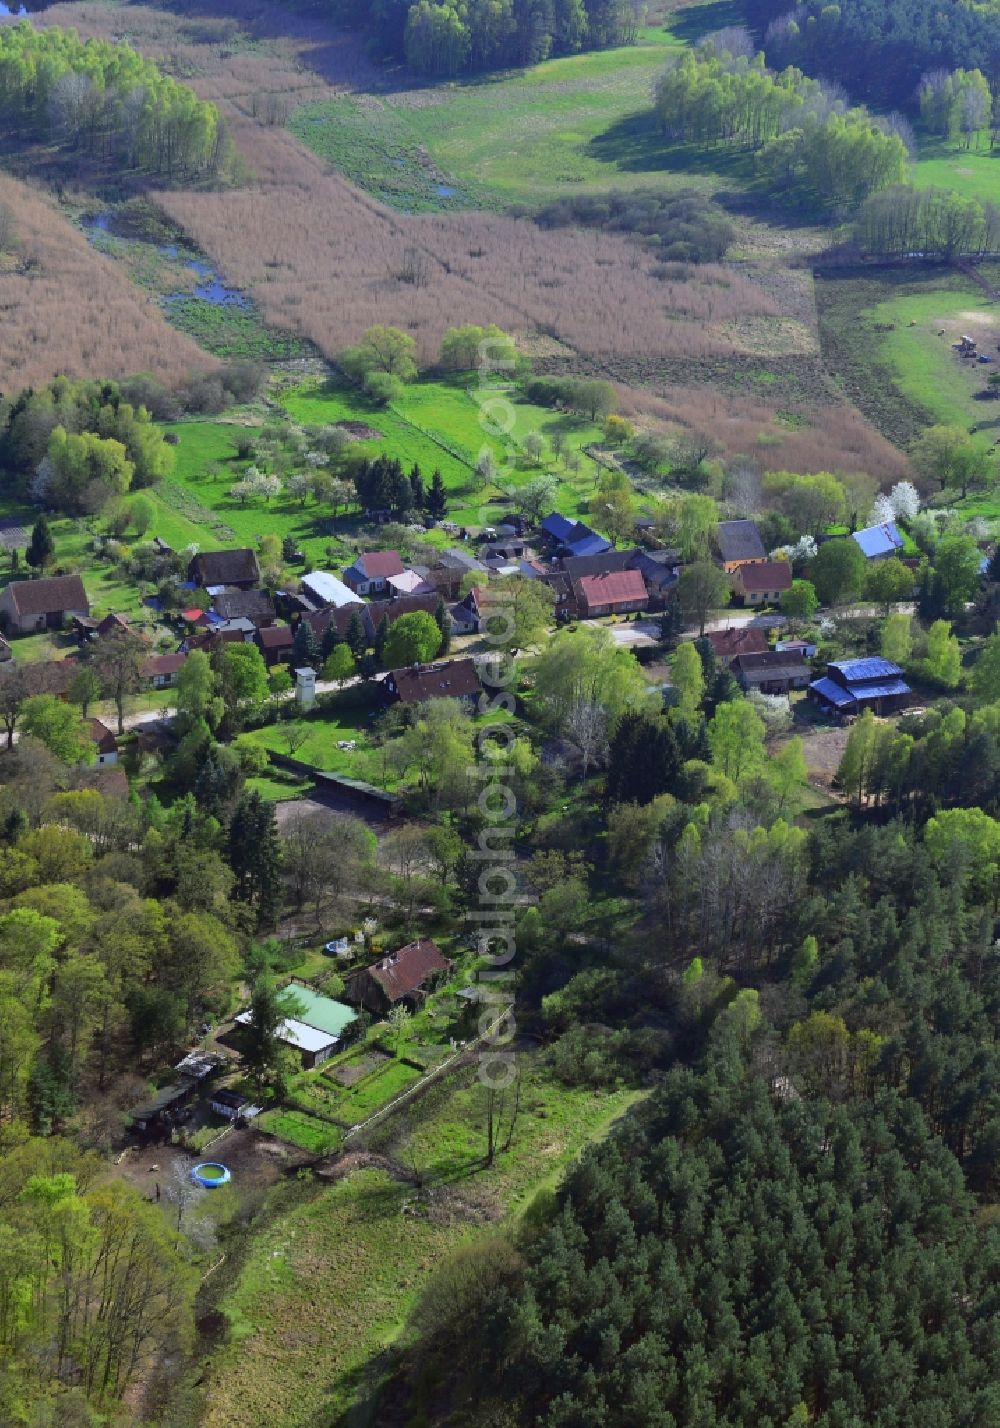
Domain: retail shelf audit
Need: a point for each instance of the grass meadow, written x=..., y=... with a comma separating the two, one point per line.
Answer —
x=329, y=1284
x=942, y=163
x=888, y=332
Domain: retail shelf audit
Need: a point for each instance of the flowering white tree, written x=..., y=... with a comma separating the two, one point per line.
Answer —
x=905, y=500
x=255, y=483
x=803, y=550
x=883, y=511
x=901, y=503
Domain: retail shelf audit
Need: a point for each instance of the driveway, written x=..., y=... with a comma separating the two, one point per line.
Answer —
x=636, y=634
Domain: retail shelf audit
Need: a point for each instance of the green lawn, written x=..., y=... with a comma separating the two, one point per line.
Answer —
x=439, y=423
x=925, y=366
x=974, y=173
x=569, y=124
x=340, y=717
x=301, y=1129
x=886, y=334
x=329, y=1284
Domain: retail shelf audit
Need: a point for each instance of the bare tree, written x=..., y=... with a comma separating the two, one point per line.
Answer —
x=118, y=661
x=587, y=726
x=503, y=1109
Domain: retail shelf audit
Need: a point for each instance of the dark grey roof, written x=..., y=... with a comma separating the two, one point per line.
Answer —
x=740, y=540
x=579, y=566
x=774, y=664
x=253, y=605
x=224, y=567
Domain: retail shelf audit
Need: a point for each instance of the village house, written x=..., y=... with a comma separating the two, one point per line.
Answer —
x=617, y=593
x=447, y=679
x=161, y=670
x=661, y=571
x=604, y=563
x=370, y=570
x=466, y=617
x=853, y=685
x=411, y=582
x=46, y=604
x=393, y=610
x=879, y=542
x=573, y=538
x=762, y=583
x=742, y=639
x=314, y=1026
x=323, y=588
x=402, y=978
x=233, y=1105
x=738, y=543
x=225, y=567
x=275, y=643
x=773, y=672
x=254, y=605
x=87, y=629
x=105, y=743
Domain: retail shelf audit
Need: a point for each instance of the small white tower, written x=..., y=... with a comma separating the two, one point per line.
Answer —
x=305, y=687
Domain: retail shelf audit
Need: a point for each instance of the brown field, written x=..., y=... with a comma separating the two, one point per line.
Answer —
x=323, y=259
x=66, y=309
x=829, y=436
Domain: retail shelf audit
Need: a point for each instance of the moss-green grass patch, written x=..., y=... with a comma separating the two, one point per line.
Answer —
x=329, y=1285
x=944, y=163
x=570, y=124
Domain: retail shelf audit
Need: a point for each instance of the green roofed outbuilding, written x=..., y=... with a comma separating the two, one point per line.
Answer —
x=317, y=1011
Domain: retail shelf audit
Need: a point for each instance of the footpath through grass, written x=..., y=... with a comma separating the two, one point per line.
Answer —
x=566, y=125
x=329, y=1285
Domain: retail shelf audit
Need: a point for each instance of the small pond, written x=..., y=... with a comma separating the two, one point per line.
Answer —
x=210, y=288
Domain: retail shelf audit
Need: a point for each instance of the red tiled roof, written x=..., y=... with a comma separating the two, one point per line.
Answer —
x=379, y=564
x=404, y=972
x=745, y=639
x=450, y=679
x=103, y=737
x=112, y=623
x=614, y=587
x=163, y=664
x=766, y=575
x=48, y=596
x=193, y=614
x=276, y=637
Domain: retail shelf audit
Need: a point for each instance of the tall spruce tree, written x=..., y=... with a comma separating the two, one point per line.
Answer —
x=41, y=547
x=644, y=759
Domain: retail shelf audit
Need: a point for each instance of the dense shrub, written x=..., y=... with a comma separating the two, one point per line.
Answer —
x=684, y=226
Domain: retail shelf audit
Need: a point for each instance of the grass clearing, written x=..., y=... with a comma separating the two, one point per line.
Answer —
x=973, y=173
x=343, y=717
x=886, y=333
x=329, y=1284
x=568, y=124
x=440, y=423
x=301, y=1129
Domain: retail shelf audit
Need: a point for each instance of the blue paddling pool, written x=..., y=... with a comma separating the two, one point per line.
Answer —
x=210, y=1174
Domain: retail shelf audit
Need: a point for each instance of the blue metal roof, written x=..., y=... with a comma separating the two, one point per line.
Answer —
x=883, y=691
x=589, y=545
x=857, y=670
x=879, y=540
x=557, y=526
x=831, y=692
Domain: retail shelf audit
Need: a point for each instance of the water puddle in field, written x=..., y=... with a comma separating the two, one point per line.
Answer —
x=210, y=288
x=444, y=191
